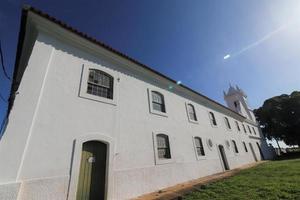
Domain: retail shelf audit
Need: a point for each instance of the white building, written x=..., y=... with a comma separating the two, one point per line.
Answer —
x=87, y=122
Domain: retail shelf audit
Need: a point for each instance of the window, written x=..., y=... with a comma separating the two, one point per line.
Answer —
x=158, y=102
x=237, y=126
x=244, y=128
x=254, y=130
x=235, y=147
x=249, y=129
x=163, y=146
x=191, y=112
x=236, y=103
x=199, y=146
x=246, y=150
x=100, y=84
x=212, y=118
x=227, y=123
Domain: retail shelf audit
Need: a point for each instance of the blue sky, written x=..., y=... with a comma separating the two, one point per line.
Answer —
x=185, y=40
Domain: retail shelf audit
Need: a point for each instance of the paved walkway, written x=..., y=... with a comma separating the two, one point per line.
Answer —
x=175, y=192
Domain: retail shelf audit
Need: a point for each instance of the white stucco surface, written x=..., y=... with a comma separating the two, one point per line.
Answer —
x=9, y=191
x=52, y=116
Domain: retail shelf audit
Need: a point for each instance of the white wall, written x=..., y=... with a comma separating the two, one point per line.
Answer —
x=52, y=120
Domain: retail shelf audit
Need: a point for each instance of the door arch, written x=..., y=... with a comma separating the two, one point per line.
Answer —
x=92, y=175
x=223, y=157
x=260, y=151
x=253, y=152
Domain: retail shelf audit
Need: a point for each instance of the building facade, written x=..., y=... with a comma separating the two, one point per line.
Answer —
x=87, y=122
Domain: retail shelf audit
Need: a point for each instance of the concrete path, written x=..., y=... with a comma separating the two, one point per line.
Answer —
x=176, y=191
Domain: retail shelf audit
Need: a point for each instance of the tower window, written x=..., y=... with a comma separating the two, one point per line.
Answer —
x=254, y=130
x=236, y=103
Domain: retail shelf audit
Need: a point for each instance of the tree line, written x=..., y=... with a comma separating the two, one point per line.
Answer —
x=279, y=118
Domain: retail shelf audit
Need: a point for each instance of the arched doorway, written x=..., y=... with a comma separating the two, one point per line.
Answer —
x=92, y=175
x=253, y=153
x=260, y=151
x=223, y=157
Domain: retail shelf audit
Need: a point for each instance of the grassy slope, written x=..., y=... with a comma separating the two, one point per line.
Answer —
x=271, y=180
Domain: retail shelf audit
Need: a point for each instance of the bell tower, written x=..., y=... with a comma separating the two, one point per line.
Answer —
x=236, y=100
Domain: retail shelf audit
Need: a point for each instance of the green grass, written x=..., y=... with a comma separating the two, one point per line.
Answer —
x=271, y=180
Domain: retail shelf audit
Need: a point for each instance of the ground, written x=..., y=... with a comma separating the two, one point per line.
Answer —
x=270, y=180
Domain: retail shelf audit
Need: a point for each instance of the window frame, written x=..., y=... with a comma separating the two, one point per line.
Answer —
x=249, y=129
x=245, y=147
x=237, y=126
x=227, y=123
x=84, y=79
x=188, y=114
x=199, y=157
x=254, y=130
x=110, y=88
x=235, y=148
x=211, y=121
x=150, y=102
x=161, y=104
x=166, y=148
x=244, y=128
x=157, y=160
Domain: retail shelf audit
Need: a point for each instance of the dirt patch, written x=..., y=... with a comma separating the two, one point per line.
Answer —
x=176, y=191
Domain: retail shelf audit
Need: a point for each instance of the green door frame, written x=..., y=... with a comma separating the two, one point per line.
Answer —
x=92, y=175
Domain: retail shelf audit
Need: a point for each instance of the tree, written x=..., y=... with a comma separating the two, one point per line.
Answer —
x=279, y=118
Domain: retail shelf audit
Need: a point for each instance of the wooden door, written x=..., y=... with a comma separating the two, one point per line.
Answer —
x=92, y=176
x=223, y=157
x=260, y=151
x=253, y=153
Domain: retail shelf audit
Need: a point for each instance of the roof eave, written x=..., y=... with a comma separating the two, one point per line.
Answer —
x=22, y=32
